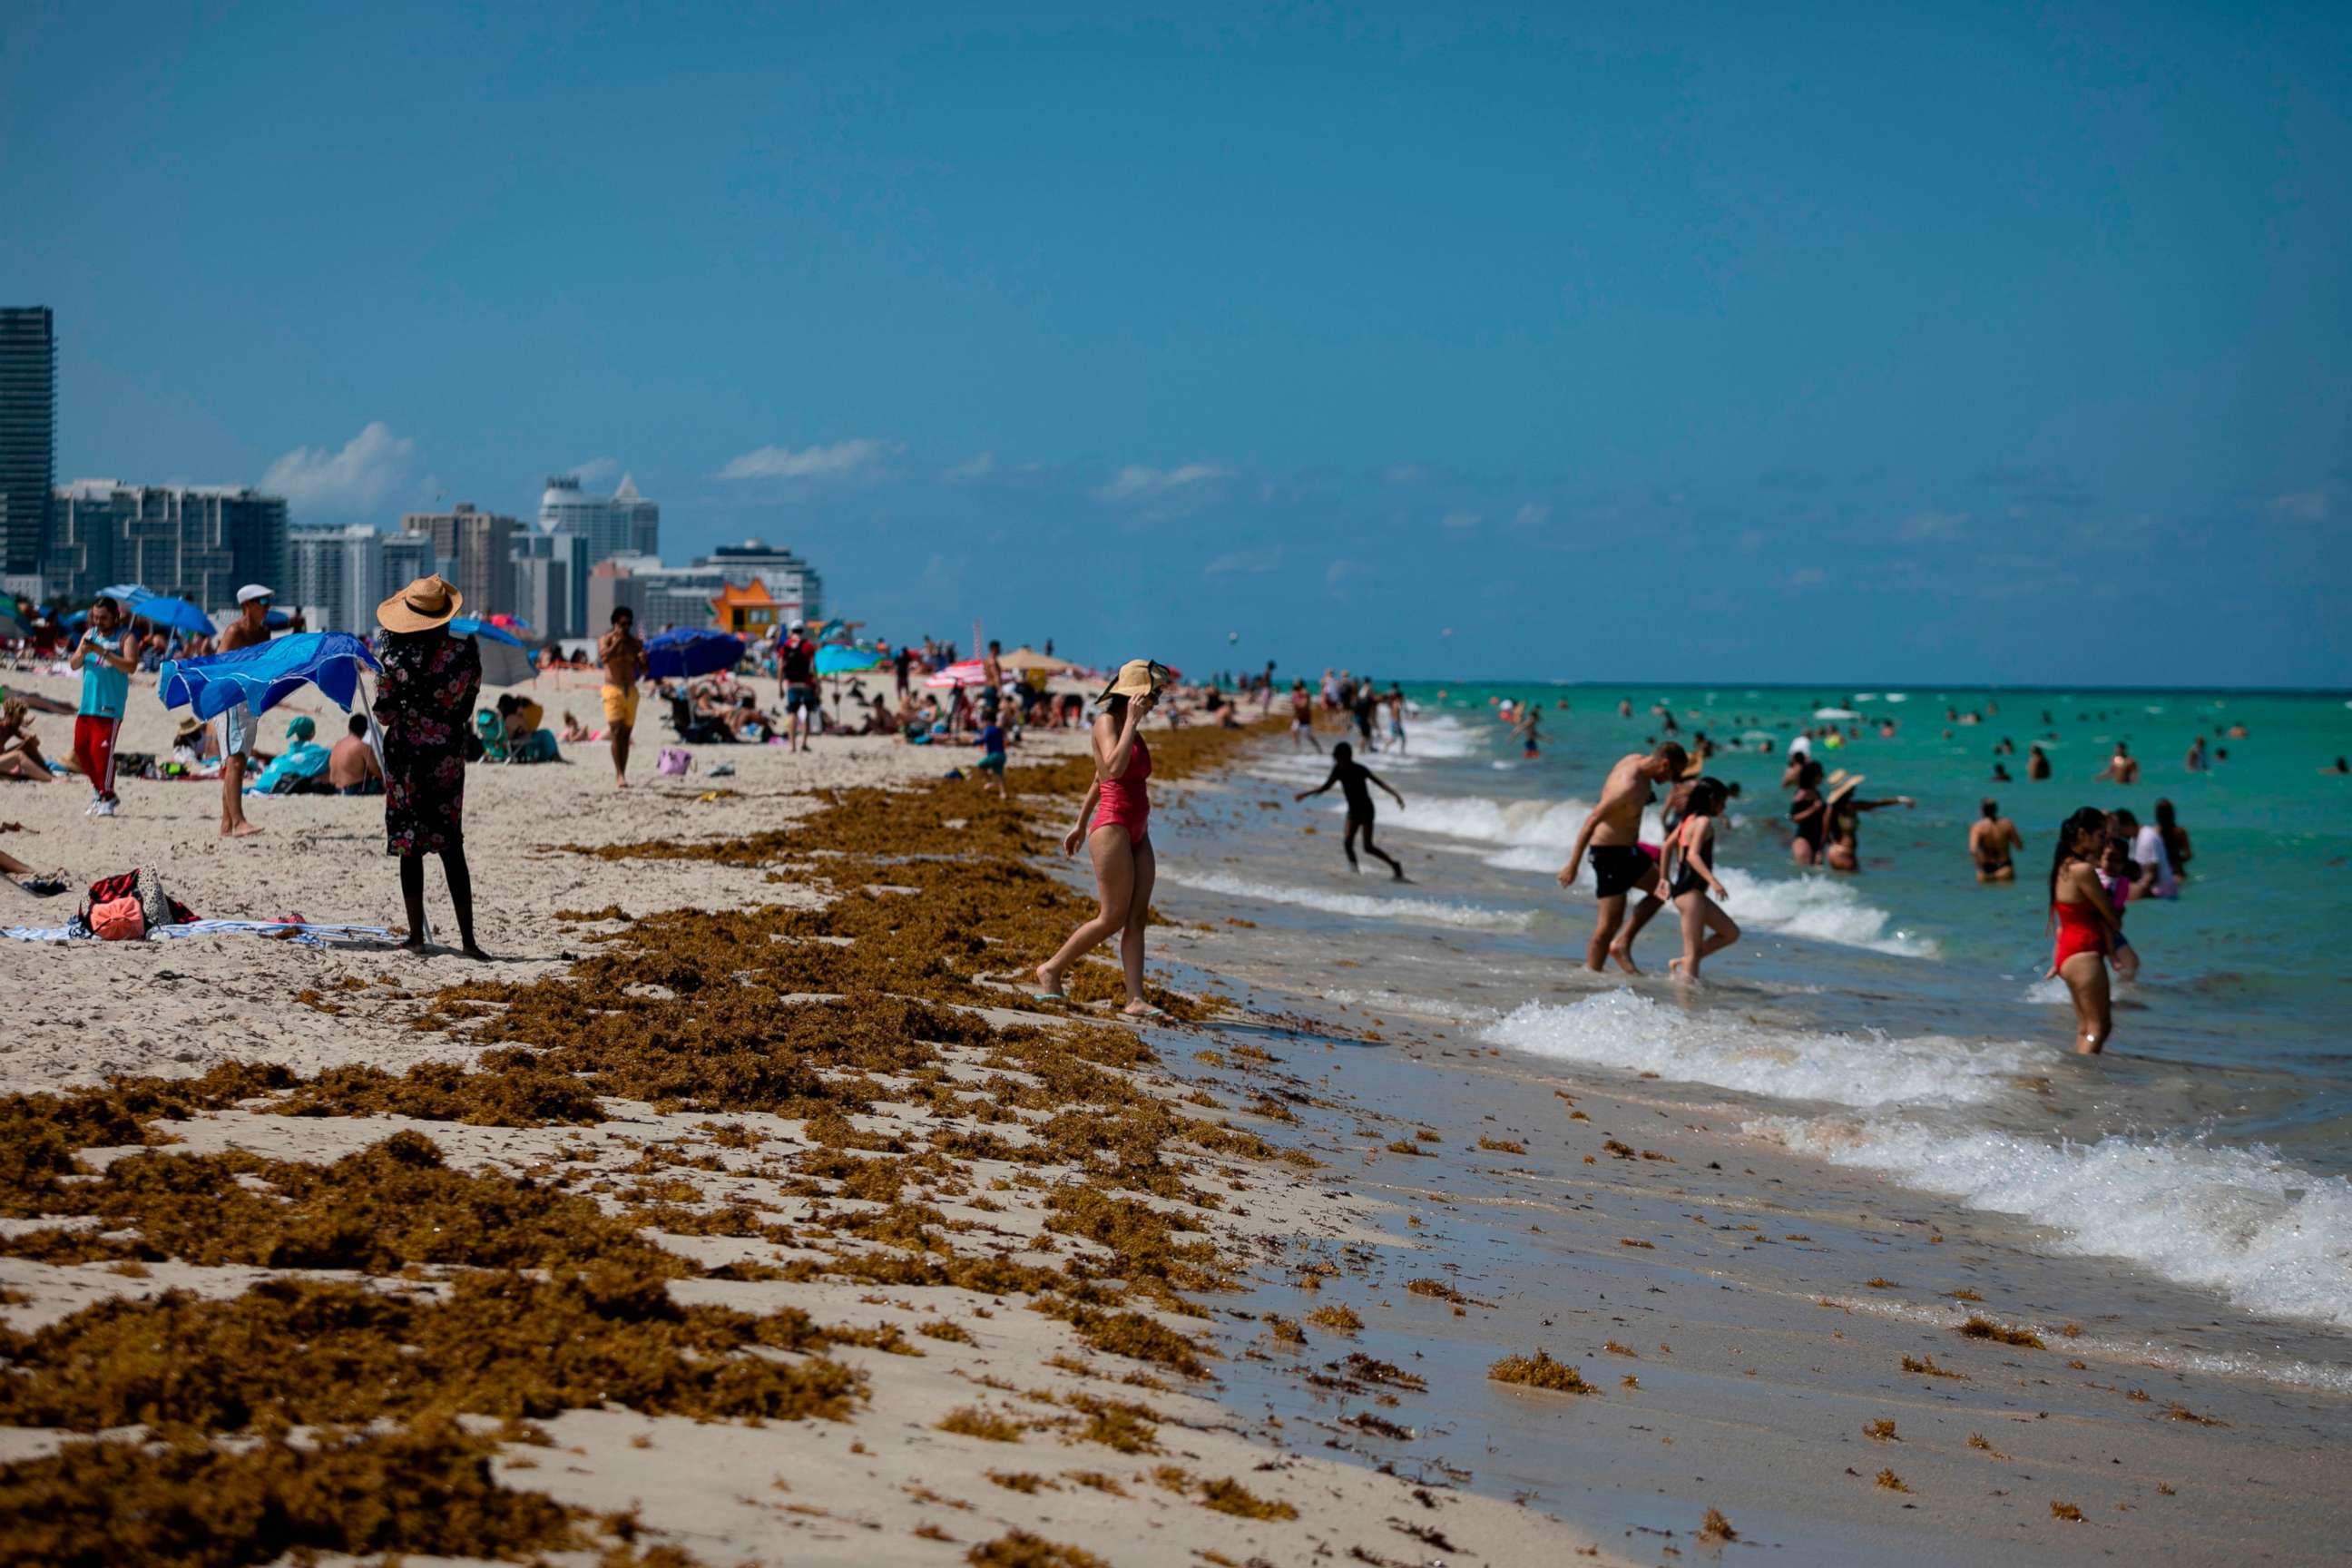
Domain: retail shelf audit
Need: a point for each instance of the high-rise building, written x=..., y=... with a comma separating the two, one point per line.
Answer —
x=542, y=594
x=28, y=442
x=336, y=576
x=622, y=523
x=474, y=549
x=567, y=615
x=198, y=542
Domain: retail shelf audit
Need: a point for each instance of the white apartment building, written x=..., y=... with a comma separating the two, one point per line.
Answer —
x=336, y=576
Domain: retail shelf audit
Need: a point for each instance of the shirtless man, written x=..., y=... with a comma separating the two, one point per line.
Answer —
x=1302, y=718
x=624, y=656
x=1992, y=838
x=250, y=629
x=2123, y=767
x=1612, y=832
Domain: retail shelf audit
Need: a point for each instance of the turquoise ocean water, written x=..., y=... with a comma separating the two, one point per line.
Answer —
x=1897, y=1020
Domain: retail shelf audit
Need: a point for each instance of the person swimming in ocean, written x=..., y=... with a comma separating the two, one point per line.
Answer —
x=1698, y=893
x=1992, y=839
x=1612, y=831
x=2037, y=763
x=1354, y=780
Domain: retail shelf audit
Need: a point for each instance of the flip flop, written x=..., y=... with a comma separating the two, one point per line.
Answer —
x=1148, y=1013
x=1049, y=997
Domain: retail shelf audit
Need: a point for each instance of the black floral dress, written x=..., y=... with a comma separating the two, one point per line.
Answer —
x=426, y=703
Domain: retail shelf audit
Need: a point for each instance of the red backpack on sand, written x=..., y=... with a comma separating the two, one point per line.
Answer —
x=130, y=904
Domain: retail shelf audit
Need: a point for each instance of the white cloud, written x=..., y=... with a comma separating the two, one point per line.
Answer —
x=979, y=465
x=1252, y=562
x=1532, y=515
x=1922, y=526
x=371, y=467
x=1136, y=482
x=1807, y=577
x=2302, y=505
x=843, y=459
x=1458, y=520
x=1406, y=474
x=595, y=471
x=1335, y=575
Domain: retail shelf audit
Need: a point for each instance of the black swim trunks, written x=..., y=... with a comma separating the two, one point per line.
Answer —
x=1616, y=867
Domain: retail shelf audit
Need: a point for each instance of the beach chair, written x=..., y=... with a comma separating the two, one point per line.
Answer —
x=694, y=729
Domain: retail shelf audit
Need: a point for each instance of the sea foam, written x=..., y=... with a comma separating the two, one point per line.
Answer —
x=1627, y=1031
x=2241, y=1221
x=1358, y=906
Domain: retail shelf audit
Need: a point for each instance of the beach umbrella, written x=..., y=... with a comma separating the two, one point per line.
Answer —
x=511, y=623
x=163, y=610
x=968, y=672
x=276, y=620
x=1024, y=659
x=686, y=653
x=468, y=626
x=838, y=660
x=11, y=624
x=504, y=661
x=267, y=673
x=125, y=594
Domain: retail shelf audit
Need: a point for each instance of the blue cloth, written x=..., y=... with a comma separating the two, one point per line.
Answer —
x=104, y=689
x=267, y=673
x=835, y=659
x=684, y=654
x=992, y=738
x=470, y=626
x=302, y=759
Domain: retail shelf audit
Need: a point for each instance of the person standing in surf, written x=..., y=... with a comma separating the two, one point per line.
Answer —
x=1354, y=779
x=1697, y=893
x=1991, y=839
x=2085, y=925
x=1612, y=832
x=1115, y=825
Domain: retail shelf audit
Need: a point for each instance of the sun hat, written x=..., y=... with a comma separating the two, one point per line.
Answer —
x=1840, y=784
x=1135, y=677
x=253, y=591
x=301, y=727
x=428, y=603
x=190, y=727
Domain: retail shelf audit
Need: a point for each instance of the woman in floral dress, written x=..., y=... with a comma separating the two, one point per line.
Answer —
x=425, y=702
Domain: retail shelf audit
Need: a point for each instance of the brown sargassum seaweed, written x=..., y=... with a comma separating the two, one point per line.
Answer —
x=518, y=1297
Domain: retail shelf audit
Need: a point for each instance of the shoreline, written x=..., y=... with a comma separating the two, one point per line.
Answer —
x=1754, y=1395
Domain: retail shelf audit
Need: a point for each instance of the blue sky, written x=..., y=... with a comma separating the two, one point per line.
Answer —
x=1991, y=343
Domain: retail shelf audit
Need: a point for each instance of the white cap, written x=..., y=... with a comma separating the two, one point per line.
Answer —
x=799, y=626
x=252, y=591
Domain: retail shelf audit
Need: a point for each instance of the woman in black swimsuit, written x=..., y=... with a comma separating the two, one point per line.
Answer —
x=1354, y=779
x=1810, y=813
x=1690, y=863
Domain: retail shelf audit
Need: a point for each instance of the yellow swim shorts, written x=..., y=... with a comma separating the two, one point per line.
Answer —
x=621, y=705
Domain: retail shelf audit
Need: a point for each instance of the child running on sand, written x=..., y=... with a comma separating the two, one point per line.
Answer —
x=1353, y=777
x=990, y=766
x=1690, y=866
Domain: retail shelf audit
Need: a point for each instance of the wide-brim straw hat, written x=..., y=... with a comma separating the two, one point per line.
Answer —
x=1840, y=784
x=1137, y=676
x=428, y=603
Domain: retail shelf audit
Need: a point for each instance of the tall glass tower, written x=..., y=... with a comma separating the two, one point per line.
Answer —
x=28, y=440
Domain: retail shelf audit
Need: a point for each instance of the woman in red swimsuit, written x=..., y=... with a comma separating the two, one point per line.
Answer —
x=2086, y=923
x=1120, y=838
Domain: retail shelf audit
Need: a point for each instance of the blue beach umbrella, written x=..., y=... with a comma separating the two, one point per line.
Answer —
x=471, y=627
x=163, y=610
x=267, y=673
x=835, y=659
x=686, y=653
x=125, y=594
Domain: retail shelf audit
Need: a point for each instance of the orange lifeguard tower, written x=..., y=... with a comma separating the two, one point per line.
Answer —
x=750, y=612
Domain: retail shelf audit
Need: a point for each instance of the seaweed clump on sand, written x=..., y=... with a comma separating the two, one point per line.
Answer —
x=1979, y=1327
x=39, y=1133
x=1019, y=1549
x=1539, y=1371
x=303, y=1353
x=428, y=1492
x=377, y=1211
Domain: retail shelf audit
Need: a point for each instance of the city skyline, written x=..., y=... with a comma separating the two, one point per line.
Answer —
x=1443, y=342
